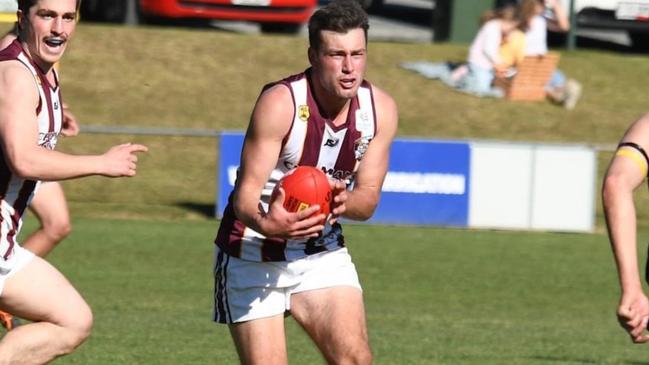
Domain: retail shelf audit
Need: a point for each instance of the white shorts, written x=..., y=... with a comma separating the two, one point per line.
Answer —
x=247, y=290
x=16, y=261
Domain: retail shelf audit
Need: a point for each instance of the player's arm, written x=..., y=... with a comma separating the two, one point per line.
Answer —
x=364, y=197
x=19, y=137
x=627, y=171
x=271, y=120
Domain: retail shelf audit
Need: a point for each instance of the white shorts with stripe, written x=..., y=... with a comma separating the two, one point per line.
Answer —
x=248, y=290
x=8, y=268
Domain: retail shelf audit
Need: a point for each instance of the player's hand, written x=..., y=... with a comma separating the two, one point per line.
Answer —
x=339, y=197
x=280, y=223
x=633, y=315
x=121, y=160
x=69, y=126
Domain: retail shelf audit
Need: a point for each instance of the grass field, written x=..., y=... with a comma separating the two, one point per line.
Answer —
x=437, y=296
x=141, y=248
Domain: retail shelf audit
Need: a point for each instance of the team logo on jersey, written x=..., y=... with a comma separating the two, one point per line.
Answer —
x=47, y=140
x=360, y=147
x=364, y=123
x=303, y=112
x=331, y=142
x=56, y=106
x=289, y=165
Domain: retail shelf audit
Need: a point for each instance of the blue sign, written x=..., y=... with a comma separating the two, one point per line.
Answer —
x=230, y=145
x=427, y=181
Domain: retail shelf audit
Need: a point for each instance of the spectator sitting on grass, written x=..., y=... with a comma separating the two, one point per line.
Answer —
x=497, y=47
x=550, y=15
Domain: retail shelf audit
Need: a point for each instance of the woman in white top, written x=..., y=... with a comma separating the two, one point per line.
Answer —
x=550, y=15
x=485, y=59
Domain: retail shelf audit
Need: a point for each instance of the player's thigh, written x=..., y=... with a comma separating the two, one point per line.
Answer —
x=39, y=292
x=49, y=204
x=334, y=317
x=260, y=341
x=328, y=303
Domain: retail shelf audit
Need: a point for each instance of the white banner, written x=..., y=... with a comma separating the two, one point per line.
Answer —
x=532, y=186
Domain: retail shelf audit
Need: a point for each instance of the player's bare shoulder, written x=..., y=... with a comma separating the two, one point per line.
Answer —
x=17, y=83
x=13, y=70
x=276, y=93
x=387, y=113
x=638, y=131
x=274, y=109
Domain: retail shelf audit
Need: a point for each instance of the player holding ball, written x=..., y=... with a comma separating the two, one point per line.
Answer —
x=303, y=187
x=270, y=261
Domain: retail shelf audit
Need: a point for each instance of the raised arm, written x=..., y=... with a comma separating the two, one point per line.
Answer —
x=626, y=172
x=19, y=137
x=364, y=197
x=560, y=22
x=270, y=122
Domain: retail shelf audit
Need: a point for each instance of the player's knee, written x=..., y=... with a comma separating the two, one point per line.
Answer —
x=78, y=330
x=59, y=230
x=358, y=355
x=362, y=357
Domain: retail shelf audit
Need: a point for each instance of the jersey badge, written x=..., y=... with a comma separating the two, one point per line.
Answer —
x=47, y=140
x=303, y=112
x=361, y=145
x=364, y=123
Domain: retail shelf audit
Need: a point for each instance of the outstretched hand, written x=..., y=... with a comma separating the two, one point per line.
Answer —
x=280, y=223
x=121, y=160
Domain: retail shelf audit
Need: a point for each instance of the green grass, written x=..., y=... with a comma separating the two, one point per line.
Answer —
x=433, y=296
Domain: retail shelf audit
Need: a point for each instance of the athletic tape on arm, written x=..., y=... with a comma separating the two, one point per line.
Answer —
x=635, y=153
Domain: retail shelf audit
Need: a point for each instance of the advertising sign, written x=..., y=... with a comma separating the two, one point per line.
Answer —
x=230, y=145
x=427, y=183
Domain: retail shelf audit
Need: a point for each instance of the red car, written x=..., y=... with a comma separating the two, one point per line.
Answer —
x=272, y=15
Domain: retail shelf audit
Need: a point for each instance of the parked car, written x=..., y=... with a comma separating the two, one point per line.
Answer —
x=628, y=15
x=272, y=15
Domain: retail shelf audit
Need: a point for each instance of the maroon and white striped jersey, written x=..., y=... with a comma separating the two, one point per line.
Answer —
x=15, y=192
x=312, y=140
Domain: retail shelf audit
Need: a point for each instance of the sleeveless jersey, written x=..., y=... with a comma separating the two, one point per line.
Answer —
x=15, y=192
x=312, y=140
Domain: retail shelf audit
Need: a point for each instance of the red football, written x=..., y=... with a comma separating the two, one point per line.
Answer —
x=305, y=186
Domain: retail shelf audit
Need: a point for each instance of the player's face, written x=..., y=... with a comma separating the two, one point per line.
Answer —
x=339, y=64
x=47, y=28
